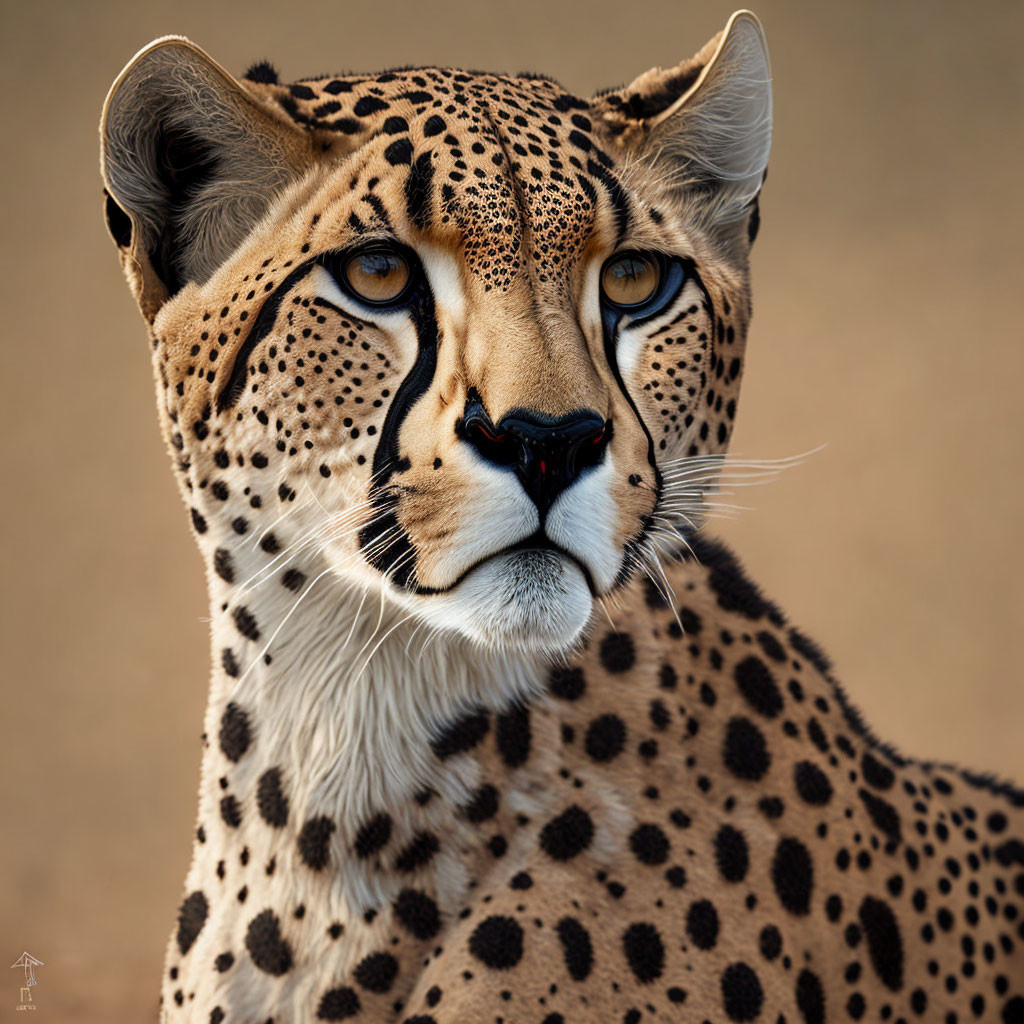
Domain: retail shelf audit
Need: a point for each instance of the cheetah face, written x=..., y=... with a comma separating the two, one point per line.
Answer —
x=454, y=326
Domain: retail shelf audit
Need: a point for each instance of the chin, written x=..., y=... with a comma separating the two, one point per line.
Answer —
x=531, y=601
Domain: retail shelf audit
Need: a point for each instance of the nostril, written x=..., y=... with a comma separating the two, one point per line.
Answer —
x=493, y=444
x=589, y=449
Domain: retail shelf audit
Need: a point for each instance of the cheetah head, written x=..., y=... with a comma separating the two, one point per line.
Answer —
x=465, y=331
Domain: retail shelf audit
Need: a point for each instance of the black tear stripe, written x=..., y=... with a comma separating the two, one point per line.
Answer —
x=419, y=190
x=610, y=319
x=387, y=460
x=616, y=196
x=261, y=327
x=378, y=208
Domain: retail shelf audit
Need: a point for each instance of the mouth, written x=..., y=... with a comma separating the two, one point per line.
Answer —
x=540, y=541
x=536, y=542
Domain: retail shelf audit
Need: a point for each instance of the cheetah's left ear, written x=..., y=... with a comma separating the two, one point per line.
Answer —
x=705, y=125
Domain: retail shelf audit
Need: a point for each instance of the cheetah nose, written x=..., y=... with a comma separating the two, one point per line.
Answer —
x=548, y=454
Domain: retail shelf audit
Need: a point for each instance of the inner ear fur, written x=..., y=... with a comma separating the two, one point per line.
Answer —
x=704, y=127
x=190, y=161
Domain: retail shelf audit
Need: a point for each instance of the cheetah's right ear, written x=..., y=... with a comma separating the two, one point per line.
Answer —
x=704, y=128
x=190, y=160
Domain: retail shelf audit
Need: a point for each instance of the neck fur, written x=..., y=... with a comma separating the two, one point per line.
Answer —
x=333, y=685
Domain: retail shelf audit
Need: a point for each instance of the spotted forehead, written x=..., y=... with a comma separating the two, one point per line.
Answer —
x=517, y=165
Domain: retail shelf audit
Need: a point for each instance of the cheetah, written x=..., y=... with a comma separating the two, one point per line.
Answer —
x=447, y=364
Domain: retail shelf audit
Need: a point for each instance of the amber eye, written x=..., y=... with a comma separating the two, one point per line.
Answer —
x=630, y=278
x=377, y=276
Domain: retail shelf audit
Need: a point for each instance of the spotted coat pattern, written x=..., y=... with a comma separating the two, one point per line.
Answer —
x=683, y=818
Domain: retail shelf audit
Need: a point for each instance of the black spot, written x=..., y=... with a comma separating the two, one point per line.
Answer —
x=745, y=751
x=569, y=834
x=617, y=652
x=566, y=683
x=229, y=663
x=771, y=646
x=314, y=842
x=757, y=684
x=690, y=621
x=367, y=105
x=191, y=918
x=770, y=942
x=198, y=522
x=373, y=836
x=649, y=844
x=293, y=579
x=230, y=811
x=434, y=125
x=418, y=913
x=399, y=152
x=484, y=804
x=742, y=995
x=234, y=734
x=245, y=623
x=419, y=852
x=812, y=784
x=996, y=822
x=876, y=774
x=885, y=946
x=733, y=589
x=576, y=948
x=338, y=1004
x=793, y=875
x=376, y=972
x=606, y=736
x=810, y=997
x=659, y=714
x=731, y=854
x=645, y=952
x=462, y=735
x=1013, y=1011
x=885, y=817
x=268, y=950
x=497, y=942
x=652, y=594
x=512, y=734
x=702, y=924
x=224, y=962
x=270, y=798
x=223, y=565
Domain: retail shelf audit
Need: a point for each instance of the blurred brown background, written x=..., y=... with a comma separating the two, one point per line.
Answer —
x=888, y=280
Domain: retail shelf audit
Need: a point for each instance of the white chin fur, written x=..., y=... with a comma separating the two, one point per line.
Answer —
x=521, y=600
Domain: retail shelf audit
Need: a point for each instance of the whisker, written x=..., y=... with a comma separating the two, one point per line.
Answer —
x=273, y=635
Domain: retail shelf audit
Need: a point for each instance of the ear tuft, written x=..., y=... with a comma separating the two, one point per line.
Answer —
x=705, y=126
x=262, y=72
x=192, y=162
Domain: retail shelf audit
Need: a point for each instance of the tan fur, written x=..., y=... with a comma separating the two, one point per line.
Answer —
x=446, y=778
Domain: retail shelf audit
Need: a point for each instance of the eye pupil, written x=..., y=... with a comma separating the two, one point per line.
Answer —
x=377, y=276
x=630, y=279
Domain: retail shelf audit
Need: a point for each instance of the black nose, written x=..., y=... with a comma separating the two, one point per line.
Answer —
x=547, y=454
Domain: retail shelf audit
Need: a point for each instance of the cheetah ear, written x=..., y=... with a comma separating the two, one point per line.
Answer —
x=190, y=161
x=705, y=126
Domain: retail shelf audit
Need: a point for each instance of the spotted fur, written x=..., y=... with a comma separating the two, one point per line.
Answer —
x=437, y=784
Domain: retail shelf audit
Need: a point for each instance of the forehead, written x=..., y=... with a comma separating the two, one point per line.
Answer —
x=516, y=167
